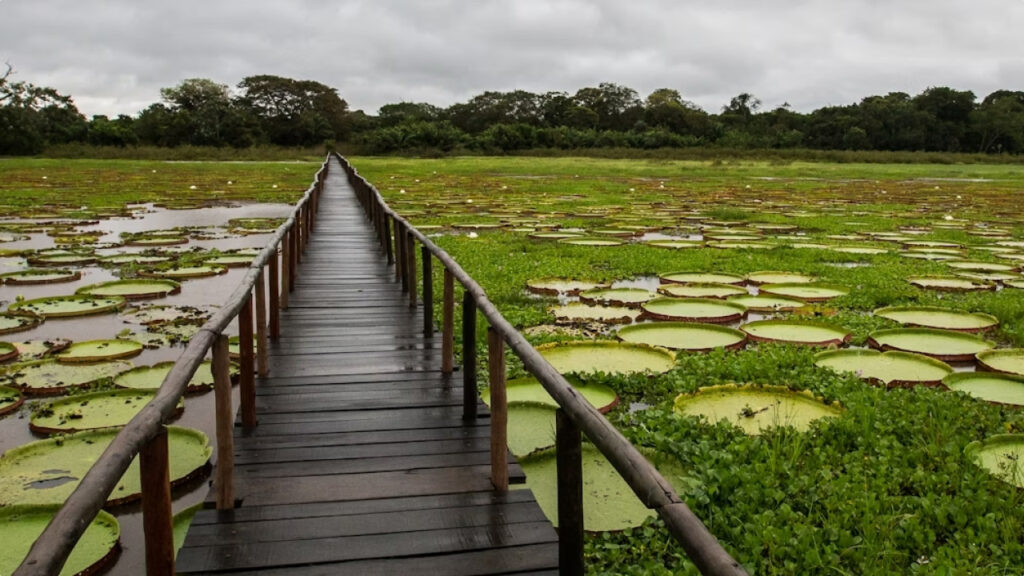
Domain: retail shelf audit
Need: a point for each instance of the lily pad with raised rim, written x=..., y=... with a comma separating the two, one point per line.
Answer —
x=10, y=323
x=989, y=386
x=139, y=258
x=945, y=345
x=978, y=266
x=152, y=315
x=796, y=332
x=776, y=277
x=10, y=399
x=935, y=317
x=694, y=310
x=181, y=522
x=151, y=377
x=99, y=351
x=675, y=244
x=555, y=235
x=528, y=389
x=137, y=289
x=767, y=303
x=695, y=290
x=585, y=356
x=231, y=260
x=1006, y=360
x=755, y=408
x=552, y=286
x=49, y=377
x=69, y=306
x=629, y=297
x=34, y=276
x=701, y=278
x=38, y=349
x=47, y=471
x=186, y=272
x=91, y=411
x=688, y=336
x=591, y=241
x=805, y=292
x=949, y=284
x=20, y=526
x=8, y=352
x=892, y=368
x=579, y=313
x=62, y=260
x=1001, y=455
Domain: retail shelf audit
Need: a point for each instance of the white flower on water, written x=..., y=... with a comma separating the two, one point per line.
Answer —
x=632, y=189
x=503, y=187
x=192, y=187
x=402, y=191
x=947, y=217
x=958, y=197
x=469, y=201
x=274, y=186
x=230, y=182
x=44, y=178
x=472, y=235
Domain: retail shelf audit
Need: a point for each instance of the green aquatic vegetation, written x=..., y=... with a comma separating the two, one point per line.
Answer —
x=755, y=408
x=21, y=525
x=68, y=306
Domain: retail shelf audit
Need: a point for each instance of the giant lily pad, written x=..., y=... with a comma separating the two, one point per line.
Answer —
x=186, y=272
x=132, y=289
x=38, y=349
x=49, y=377
x=694, y=310
x=701, y=278
x=805, y=292
x=562, y=285
x=528, y=389
x=774, y=277
x=137, y=258
x=942, y=344
x=766, y=303
x=10, y=399
x=531, y=427
x=692, y=337
x=754, y=408
x=62, y=260
x=796, y=332
x=675, y=244
x=977, y=266
x=1002, y=456
x=18, y=322
x=989, y=386
x=99, y=350
x=949, y=284
x=890, y=368
x=8, y=351
x=47, y=471
x=631, y=297
x=694, y=290
x=90, y=411
x=935, y=317
x=151, y=377
x=591, y=241
x=610, y=357
x=181, y=522
x=67, y=306
x=578, y=313
x=231, y=260
x=1006, y=360
x=20, y=526
x=40, y=276
x=151, y=315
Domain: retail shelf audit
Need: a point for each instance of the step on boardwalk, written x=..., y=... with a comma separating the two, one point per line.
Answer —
x=362, y=462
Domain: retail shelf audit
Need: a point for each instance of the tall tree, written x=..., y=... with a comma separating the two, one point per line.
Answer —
x=33, y=116
x=295, y=112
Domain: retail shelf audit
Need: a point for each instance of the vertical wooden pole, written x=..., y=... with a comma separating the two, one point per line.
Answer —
x=157, y=523
x=411, y=251
x=387, y=239
x=286, y=273
x=299, y=225
x=262, y=366
x=247, y=380
x=293, y=253
x=428, y=293
x=275, y=299
x=499, y=410
x=569, y=470
x=224, y=483
x=469, y=392
x=448, y=324
x=400, y=254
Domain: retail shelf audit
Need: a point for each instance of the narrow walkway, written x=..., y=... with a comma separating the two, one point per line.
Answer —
x=361, y=462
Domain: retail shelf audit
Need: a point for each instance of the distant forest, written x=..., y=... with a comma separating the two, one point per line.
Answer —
x=272, y=110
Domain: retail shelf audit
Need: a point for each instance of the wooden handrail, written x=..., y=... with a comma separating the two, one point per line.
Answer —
x=50, y=551
x=647, y=483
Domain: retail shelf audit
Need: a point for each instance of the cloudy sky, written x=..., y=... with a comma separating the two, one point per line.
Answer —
x=113, y=56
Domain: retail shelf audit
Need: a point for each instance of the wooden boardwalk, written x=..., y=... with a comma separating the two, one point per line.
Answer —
x=362, y=462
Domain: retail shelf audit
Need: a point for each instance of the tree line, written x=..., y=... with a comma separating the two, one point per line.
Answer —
x=280, y=111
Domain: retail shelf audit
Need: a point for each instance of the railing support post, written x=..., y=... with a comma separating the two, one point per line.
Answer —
x=296, y=257
x=286, y=273
x=469, y=392
x=247, y=379
x=448, y=324
x=569, y=469
x=225, y=424
x=275, y=298
x=387, y=239
x=411, y=251
x=428, y=293
x=400, y=259
x=262, y=366
x=157, y=523
x=499, y=410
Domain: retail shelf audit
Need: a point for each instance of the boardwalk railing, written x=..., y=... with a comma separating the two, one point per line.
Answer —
x=574, y=415
x=146, y=435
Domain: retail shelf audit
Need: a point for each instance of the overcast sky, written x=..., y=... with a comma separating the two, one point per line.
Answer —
x=113, y=56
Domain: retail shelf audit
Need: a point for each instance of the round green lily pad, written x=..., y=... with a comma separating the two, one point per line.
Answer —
x=231, y=260
x=150, y=315
x=18, y=322
x=675, y=244
x=562, y=285
x=531, y=427
x=591, y=241
x=945, y=345
x=796, y=332
x=528, y=389
x=630, y=297
x=37, y=349
x=138, y=258
x=1006, y=360
x=157, y=240
x=40, y=276
x=10, y=399
x=90, y=411
x=694, y=310
x=755, y=408
x=62, y=260
x=766, y=303
x=866, y=250
x=805, y=292
x=151, y=377
x=977, y=266
x=775, y=277
x=181, y=522
x=186, y=272
x=1014, y=283
x=132, y=289
x=554, y=235
x=988, y=386
x=608, y=357
x=99, y=350
x=695, y=290
x=1001, y=455
x=949, y=284
x=47, y=471
x=701, y=278
x=579, y=313
x=49, y=377
x=892, y=368
x=691, y=337
x=67, y=306
x=935, y=317
x=20, y=526
x=8, y=351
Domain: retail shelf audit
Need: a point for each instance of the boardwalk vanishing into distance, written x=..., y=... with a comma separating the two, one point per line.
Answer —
x=362, y=462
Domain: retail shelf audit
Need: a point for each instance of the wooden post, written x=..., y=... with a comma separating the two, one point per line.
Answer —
x=293, y=260
x=448, y=324
x=569, y=469
x=387, y=239
x=400, y=254
x=285, y=272
x=297, y=237
x=224, y=483
x=428, y=293
x=309, y=224
x=262, y=366
x=275, y=299
x=411, y=251
x=247, y=380
x=469, y=392
x=499, y=410
x=157, y=523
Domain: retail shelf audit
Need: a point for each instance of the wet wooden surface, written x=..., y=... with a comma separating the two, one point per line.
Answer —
x=361, y=462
